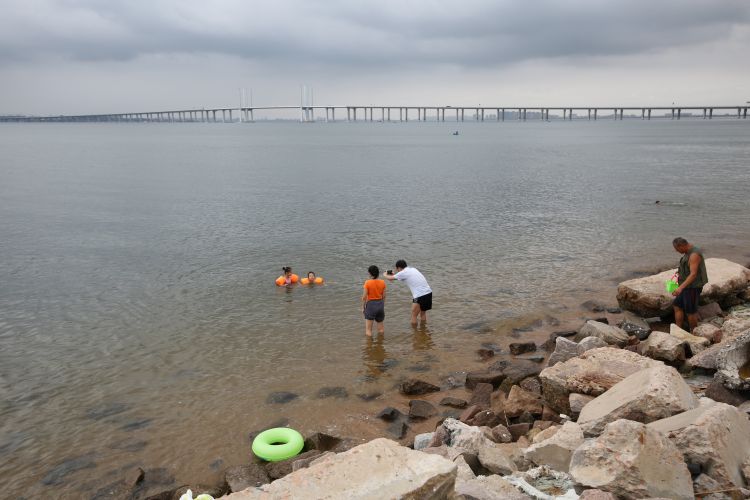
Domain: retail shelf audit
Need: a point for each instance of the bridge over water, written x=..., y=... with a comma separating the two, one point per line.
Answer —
x=405, y=113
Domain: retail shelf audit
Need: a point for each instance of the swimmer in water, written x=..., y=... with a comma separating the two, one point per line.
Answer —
x=288, y=276
x=312, y=279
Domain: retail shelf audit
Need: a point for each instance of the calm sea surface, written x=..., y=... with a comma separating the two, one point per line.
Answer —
x=140, y=323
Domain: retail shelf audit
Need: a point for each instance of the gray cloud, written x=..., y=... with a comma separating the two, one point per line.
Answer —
x=344, y=33
x=91, y=56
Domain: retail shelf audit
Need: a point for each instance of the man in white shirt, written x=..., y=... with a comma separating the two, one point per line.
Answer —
x=420, y=291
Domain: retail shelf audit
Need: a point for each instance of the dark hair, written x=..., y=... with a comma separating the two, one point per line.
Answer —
x=401, y=264
x=310, y=272
x=374, y=271
x=286, y=269
x=678, y=242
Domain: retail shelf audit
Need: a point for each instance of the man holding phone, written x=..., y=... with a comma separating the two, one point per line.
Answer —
x=420, y=291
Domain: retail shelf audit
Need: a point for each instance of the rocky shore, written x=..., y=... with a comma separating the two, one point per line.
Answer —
x=626, y=406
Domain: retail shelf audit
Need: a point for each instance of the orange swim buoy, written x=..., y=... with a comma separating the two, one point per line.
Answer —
x=306, y=281
x=318, y=281
x=281, y=280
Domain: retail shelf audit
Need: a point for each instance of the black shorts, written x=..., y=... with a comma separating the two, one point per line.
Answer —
x=375, y=310
x=425, y=302
x=688, y=299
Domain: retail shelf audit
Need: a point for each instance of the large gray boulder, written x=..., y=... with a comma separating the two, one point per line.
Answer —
x=635, y=325
x=645, y=396
x=459, y=435
x=240, y=477
x=577, y=402
x=461, y=438
x=715, y=436
x=664, y=347
x=590, y=343
x=709, y=331
x=631, y=460
x=696, y=343
x=608, y=333
x=592, y=373
x=733, y=363
x=520, y=401
x=708, y=358
x=564, y=350
x=735, y=326
x=378, y=469
x=489, y=488
x=556, y=451
x=495, y=459
x=648, y=297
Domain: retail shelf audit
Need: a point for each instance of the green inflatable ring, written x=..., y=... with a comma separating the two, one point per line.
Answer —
x=280, y=443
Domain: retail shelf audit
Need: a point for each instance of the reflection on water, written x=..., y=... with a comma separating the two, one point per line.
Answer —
x=422, y=338
x=377, y=360
x=374, y=356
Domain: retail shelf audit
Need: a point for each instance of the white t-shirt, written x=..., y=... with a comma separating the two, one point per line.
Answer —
x=415, y=281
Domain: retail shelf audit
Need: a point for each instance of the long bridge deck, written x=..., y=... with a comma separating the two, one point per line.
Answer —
x=402, y=113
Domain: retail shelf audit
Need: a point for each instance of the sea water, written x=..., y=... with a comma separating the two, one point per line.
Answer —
x=140, y=323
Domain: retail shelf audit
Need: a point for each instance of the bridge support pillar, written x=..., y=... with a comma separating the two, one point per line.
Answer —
x=589, y=111
x=679, y=113
x=710, y=113
x=649, y=114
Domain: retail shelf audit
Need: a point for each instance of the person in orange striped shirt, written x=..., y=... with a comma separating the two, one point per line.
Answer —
x=373, y=301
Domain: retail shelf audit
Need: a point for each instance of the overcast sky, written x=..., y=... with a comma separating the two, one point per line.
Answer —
x=99, y=56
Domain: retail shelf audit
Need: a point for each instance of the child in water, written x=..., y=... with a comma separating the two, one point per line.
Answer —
x=312, y=279
x=287, y=278
x=373, y=301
